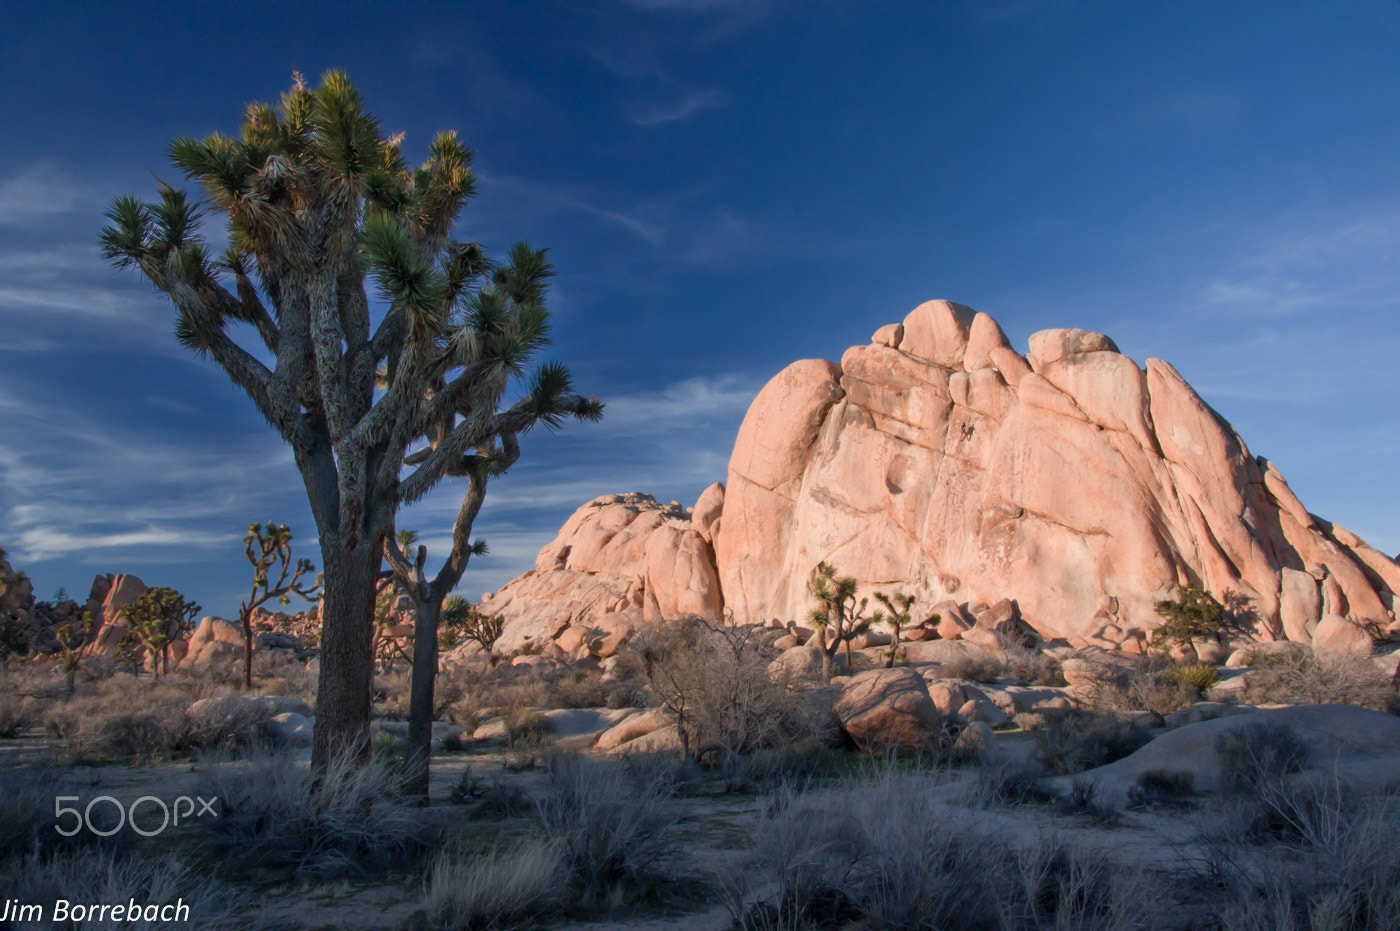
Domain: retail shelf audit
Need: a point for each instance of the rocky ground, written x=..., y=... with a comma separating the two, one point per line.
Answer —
x=560, y=797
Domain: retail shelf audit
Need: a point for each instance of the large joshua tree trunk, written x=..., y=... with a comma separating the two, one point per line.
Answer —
x=344, y=686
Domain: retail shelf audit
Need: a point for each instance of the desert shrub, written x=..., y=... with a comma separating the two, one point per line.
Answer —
x=142, y=724
x=1157, y=787
x=1029, y=665
x=506, y=886
x=1201, y=676
x=1008, y=783
x=1341, y=871
x=27, y=815
x=1078, y=741
x=1030, y=721
x=394, y=685
x=525, y=727
x=386, y=749
x=976, y=667
x=1256, y=753
x=880, y=853
x=228, y=723
x=670, y=776
x=272, y=814
x=613, y=833
x=16, y=713
x=1156, y=686
x=1083, y=798
x=493, y=798
x=295, y=680
x=803, y=761
x=1316, y=812
x=580, y=690
x=94, y=731
x=96, y=875
x=1194, y=614
x=715, y=681
x=1326, y=678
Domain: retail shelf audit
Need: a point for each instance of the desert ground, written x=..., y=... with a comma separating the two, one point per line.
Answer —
x=1122, y=793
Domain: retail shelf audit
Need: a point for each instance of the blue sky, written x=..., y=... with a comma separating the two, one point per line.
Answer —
x=725, y=187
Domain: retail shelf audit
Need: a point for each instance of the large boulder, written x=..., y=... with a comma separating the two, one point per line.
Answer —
x=888, y=708
x=1076, y=484
x=1338, y=634
x=1358, y=746
x=620, y=561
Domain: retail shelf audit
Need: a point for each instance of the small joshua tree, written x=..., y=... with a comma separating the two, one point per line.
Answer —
x=269, y=549
x=69, y=643
x=1193, y=614
x=468, y=622
x=899, y=607
x=838, y=617
x=156, y=620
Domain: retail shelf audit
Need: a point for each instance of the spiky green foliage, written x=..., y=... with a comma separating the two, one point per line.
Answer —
x=323, y=212
x=899, y=606
x=1193, y=614
x=473, y=624
x=838, y=617
x=268, y=549
x=156, y=620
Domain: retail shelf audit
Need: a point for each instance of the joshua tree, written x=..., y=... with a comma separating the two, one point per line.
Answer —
x=156, y=620
x=468, y=622
x=898, y=618
x=317, y=200
x=838, y=618
x=269, y=548
x=69, y=643
x=1195, y=613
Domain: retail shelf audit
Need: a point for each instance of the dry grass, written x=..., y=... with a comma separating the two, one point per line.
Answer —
x=273, y=816
x=507, y=886
x=1078, y=741
x=613, y=833
x=90, y=875
x=883, y=854
x=1327, y=678
x=16, y=714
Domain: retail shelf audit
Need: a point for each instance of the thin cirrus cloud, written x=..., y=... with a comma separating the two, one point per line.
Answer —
x=691, y=102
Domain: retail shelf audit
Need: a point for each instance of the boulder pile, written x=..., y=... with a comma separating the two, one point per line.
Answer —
x=1059, y=493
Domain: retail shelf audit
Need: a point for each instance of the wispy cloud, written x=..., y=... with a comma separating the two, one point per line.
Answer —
x=38, y=193
x=692, y=101
x=1338, y=261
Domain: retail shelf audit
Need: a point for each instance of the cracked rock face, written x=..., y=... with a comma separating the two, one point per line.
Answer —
x=940, y=462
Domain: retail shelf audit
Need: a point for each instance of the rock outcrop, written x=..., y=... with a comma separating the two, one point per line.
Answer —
x=939, y=461
x=1069, y=489
x=620, y=561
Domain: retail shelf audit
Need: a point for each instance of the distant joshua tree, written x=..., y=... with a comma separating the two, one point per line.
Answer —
x=70, y=642
x=465, y=621
x=838, y=617
x=899, y=607
x=156, y=620
x=317, y=200
x=268, y=549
